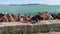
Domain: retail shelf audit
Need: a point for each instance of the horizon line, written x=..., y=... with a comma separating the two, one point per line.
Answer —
x=31, y=3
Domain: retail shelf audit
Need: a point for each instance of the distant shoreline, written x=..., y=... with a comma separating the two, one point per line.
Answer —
x=23, y=4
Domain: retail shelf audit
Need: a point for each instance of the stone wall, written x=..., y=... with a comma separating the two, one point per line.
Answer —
x=41, y=25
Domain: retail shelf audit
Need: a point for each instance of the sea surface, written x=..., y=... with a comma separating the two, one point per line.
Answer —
x=30, y=9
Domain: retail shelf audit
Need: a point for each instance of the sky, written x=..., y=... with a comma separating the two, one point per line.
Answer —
x=49, y=2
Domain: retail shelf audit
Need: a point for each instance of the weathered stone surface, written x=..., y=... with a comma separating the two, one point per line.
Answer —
x=51, y=25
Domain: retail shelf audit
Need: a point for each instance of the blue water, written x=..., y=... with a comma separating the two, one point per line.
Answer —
x=30, y=9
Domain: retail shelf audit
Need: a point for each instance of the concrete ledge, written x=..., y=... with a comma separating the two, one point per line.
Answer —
x=51, y=25
x=42, y=22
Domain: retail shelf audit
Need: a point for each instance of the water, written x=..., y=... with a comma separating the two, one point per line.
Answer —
x=30, y=9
